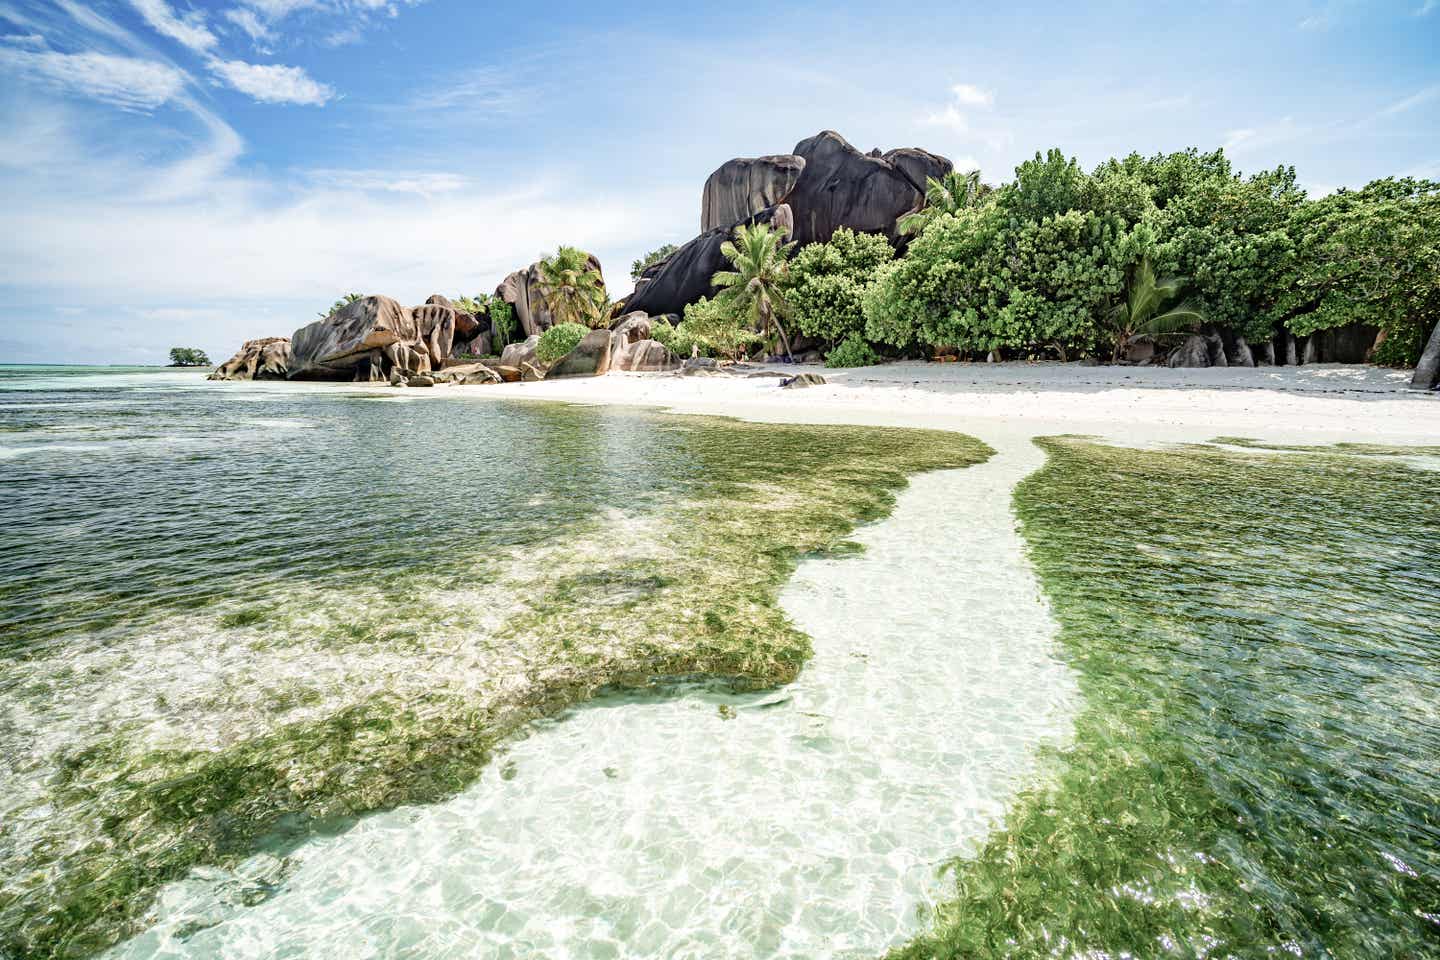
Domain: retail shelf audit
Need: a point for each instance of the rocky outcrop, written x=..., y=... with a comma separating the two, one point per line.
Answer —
x=267, y=358
x=1427, y=371
x=463, y=373
x=644, y=356
x=842, y=187
x=684, y=276
x=743, y=187
x=522, y=290
x=919, y=166
x=1352, y=343
x=519, y=354
x=1194, y=352
x=590, y=358
x=802, y=380
x=370, y=337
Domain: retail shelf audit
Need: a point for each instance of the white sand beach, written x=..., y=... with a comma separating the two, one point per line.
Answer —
x=1322, y=403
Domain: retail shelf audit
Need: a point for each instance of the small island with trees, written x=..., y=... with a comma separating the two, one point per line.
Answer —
x=188, y=357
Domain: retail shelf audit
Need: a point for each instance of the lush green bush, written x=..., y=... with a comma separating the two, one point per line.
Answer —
x=852, y=352
x=654, y=256
x=558, y=341
x=717, y=327
x=825, y=283
x=1368, y=256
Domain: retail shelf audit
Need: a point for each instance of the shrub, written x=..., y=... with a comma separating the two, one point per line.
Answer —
x=558, y=341
x=717, y=327
x=852, y=352
x=825, y=283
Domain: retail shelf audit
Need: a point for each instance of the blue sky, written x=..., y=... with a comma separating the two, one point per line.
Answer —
x=178, y=172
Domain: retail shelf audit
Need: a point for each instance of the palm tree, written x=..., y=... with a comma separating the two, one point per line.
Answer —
x=953, y=192
x=573, y=289
x=1145, y=297
x=759, y=258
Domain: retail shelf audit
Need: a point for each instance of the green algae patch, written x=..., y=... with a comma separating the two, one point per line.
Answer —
x=1254, y=770
x=312, y=705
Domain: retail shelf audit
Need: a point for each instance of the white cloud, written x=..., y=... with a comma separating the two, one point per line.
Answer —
x=390, y=181
x=1412, y=101
x=1427, y=8
x=31, y=40
x=969, y=95
x=951, y=118
x=247, y=21
x=273, y=83
x=1234, y=138
x=130, y=83
x=189, y=30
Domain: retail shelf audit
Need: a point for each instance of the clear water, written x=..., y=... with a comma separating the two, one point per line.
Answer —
x=808, y=821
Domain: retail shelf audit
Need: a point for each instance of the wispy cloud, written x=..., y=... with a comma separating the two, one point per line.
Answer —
x=390, y=181
x=189, y=30
x=249, y=22
x=32, y=40
x=969, y=95
x=273, y=83
x=1427, y=8
x=1234, y=138
x=1412, y=101
x=130, y=83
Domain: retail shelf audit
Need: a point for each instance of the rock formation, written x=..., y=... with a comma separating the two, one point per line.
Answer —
x=684, y=277
x=743, y=187
x=644, y=356
x=368, y=338
x=522, y=290
x=267, y=358
x=590, y=358
x=823, y=185
x=519, y=354
x=1427, y=371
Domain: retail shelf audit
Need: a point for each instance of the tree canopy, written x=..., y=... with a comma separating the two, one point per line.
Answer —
x=188, y=357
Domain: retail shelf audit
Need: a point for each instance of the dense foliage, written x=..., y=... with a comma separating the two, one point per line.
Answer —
x=1064, y=262
x=825, y=283
x=852, y=352
x=653, y=257
x=559, y=340
x=713, y=328
x=188, y=357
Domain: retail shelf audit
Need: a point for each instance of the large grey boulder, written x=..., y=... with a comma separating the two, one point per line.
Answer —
x=1352, y=343
x=523, y=291
x=371, y=331
x=1194, y=352
x=644, y=356
x=743, y=187
x=684, y=277
x=842, y=187
x=267, y=358
x=590, y=358
x=517, y=354
x=1427, y=371
x=919, y=166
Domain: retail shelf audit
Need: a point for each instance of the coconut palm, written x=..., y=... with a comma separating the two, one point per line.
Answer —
x=573, y=289
x=759, y=257
x=953, y=192
x=1140, y=313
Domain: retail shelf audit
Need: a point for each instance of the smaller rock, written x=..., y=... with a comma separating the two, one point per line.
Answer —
x=1194, y=352
x=421, y=380
x=398, y=379
x=802, y=380
x=529, y=373
x=516, y=354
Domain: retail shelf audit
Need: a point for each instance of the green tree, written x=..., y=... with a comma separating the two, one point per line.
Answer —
x=753, y=288
x=572, y=287
x=340, y=304
x=951, y=193
x=825, y=283
x=502, y=322
x=654, y=256
x=188, y=357
x=1142, y=313
x=1369, y=256
x=716, y=328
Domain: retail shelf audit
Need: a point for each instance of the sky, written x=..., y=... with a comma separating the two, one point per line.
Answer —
x=187, y=173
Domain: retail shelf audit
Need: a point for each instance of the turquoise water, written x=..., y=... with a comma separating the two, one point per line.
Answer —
x=240, y=619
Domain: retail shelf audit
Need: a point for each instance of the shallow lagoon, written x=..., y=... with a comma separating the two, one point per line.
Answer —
x=1232, y=619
